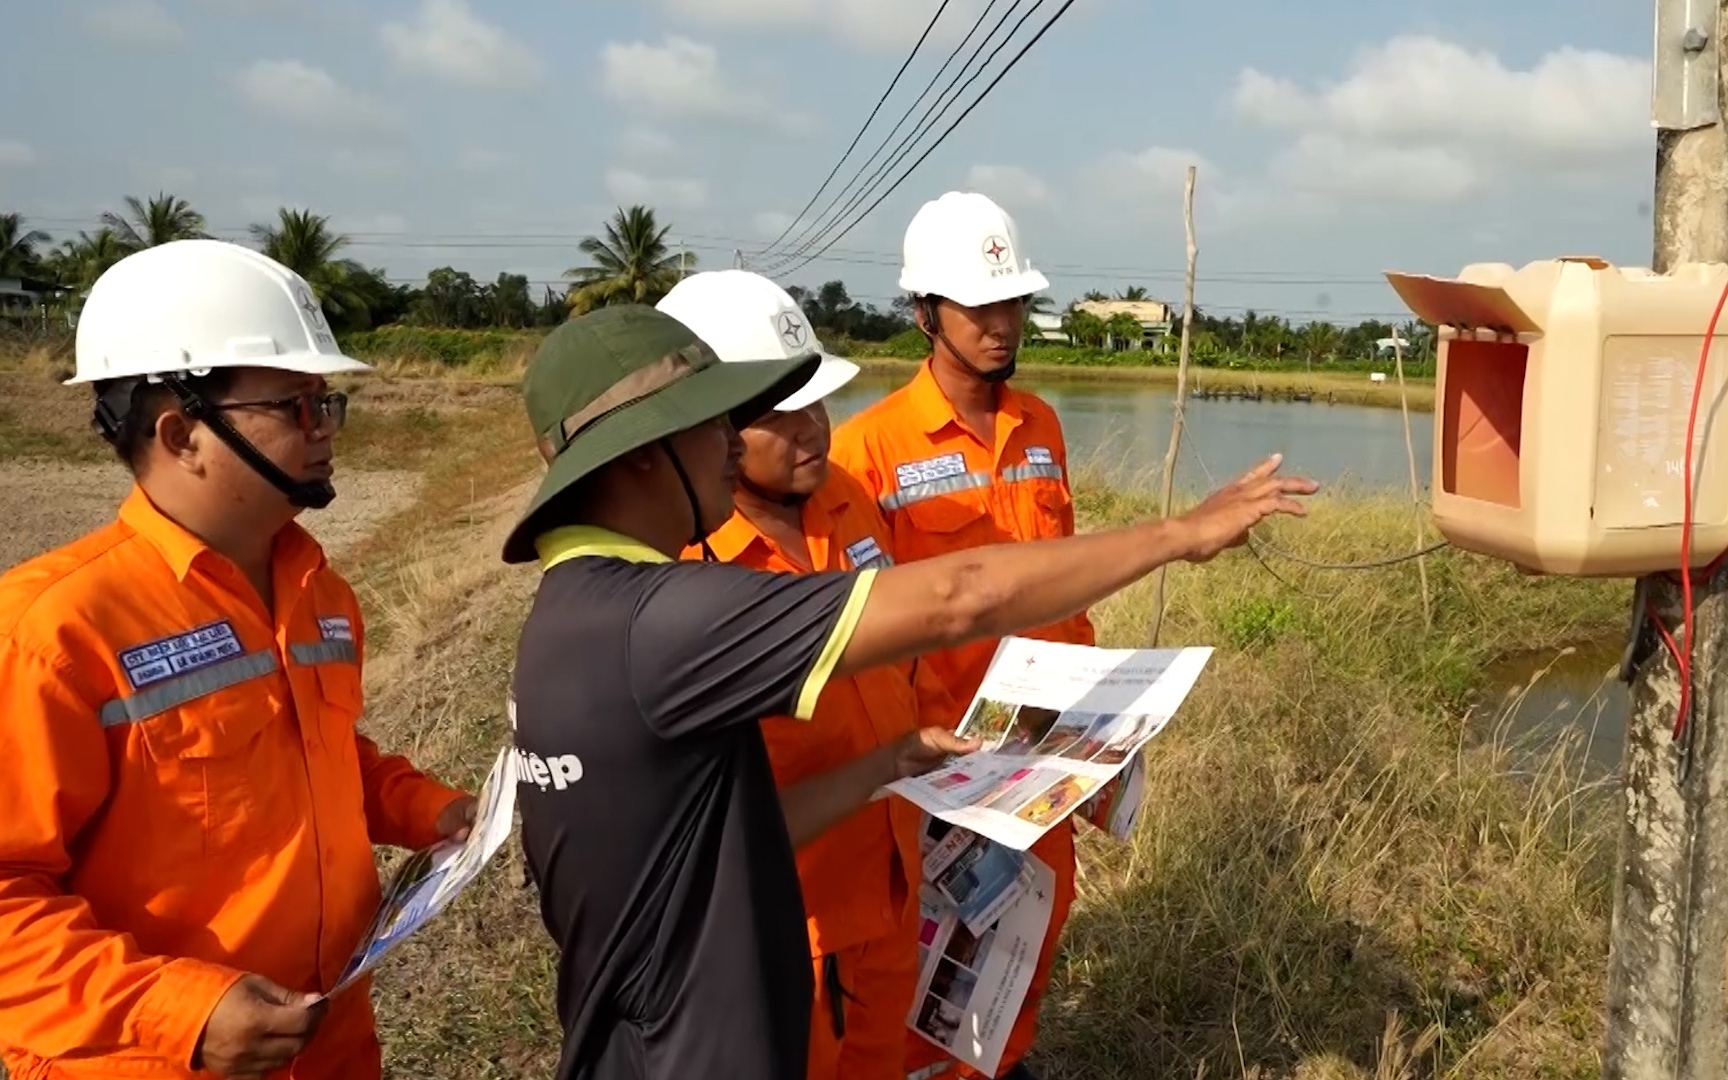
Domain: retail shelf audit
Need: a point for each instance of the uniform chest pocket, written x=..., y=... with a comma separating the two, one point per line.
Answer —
x=946, y=513
x=226, y=772
x=1055, y=507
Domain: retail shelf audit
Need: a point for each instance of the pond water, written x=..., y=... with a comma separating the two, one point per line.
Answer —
x=1540, y=698
x=1122, y=430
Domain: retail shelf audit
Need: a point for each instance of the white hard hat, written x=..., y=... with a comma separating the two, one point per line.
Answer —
x=965, y=247
x=191, y=305
x=744, y=317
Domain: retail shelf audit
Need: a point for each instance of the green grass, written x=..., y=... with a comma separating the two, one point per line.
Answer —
x=1337, y=868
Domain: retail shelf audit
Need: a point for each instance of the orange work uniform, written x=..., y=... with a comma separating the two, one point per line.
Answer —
x=184, y=800
x=944, y=488
x=860, y=877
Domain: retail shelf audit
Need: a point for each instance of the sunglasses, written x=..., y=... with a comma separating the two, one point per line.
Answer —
x=311, y=411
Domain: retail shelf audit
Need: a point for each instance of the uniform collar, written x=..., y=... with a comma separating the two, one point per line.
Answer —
x=182, y=550
x=573, y=541
x=934, y=411
x=818, y=514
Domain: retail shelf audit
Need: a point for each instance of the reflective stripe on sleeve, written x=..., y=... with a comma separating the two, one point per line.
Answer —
x=1016, y=473
x=174, y=692
x=324, y=652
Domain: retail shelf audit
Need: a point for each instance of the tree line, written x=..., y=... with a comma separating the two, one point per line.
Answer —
x=629, y=260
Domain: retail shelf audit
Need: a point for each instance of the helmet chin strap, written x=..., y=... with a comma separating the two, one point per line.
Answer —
x=995, y=376
x=305, y=494
x=701, y=536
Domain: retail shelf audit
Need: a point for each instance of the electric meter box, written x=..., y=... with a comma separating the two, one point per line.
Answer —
x=1560, y=413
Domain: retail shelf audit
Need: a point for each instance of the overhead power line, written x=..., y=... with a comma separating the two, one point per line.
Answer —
x=1024, y=49
x=883, y=145
x=934, y=19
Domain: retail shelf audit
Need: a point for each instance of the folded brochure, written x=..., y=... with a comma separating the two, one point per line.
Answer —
x=428, y=880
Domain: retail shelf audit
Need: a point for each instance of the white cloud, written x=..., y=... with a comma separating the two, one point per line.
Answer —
x=310, y=98
x=1009, y=185
x=645, y=142
x=873, y=25
x=1419, y=119
x=481, y=159
x=367, y=226
x=771, y=223
x=368, y=164
x=16, y=155
x=1366, y=171
x=134, y=22
x=629, y=186
x=447, y=41
x=249, y=7
x=681, y=79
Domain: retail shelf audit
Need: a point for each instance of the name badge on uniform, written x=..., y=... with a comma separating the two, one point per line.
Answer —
x=1039, y=455
x=336, y=628
x=913, y=473
x=867, y=554
x=201, y=647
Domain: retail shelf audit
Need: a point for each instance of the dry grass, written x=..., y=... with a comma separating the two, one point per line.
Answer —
x=1334, y=387
x=1341, y=876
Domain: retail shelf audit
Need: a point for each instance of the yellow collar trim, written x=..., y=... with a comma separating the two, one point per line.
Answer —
x=574, y=541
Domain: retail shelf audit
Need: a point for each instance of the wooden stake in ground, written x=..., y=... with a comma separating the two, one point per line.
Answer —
x=1415, y=488
x=1668, y=943
x=1181, y=391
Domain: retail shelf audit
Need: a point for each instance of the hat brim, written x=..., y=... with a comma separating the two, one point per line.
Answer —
x=304, y=363
x=743, y=391
x=831, y=375
x=1019, y=286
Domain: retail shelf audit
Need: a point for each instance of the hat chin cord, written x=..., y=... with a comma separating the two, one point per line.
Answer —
x=701, y=537
x=995, y=376
x=305, y=494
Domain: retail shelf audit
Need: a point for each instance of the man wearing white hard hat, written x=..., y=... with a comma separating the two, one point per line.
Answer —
x=859, y=862
x=187, y=813
x=958, y=458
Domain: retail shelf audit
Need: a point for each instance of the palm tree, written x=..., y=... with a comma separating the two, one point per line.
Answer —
x=78, y=263
x=304, y=243
x=163, y=219
x=18, y=255
x=1134, y=292
x=632, y=265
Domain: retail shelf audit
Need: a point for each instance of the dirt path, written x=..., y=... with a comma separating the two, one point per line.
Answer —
x=45, y=504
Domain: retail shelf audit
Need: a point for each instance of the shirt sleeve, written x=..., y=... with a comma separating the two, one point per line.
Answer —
x=402, y=803
x=849, y=449
x=67, y=984
x=714, y=645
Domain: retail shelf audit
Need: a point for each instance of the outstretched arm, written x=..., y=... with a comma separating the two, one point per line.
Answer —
x=1003, y=589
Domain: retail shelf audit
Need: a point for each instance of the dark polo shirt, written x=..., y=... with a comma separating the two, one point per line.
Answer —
x=650, y=818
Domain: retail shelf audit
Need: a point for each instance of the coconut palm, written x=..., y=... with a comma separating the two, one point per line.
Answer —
x=163, y=219
x=632, y=265
x=304, y=243
x=18, y=255
x=1134, y=292
x=78, y=263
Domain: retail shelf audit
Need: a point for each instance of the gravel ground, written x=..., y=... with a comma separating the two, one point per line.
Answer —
x=45, y=504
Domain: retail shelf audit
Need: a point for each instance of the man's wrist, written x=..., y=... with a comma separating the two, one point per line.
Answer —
x=1168, y=540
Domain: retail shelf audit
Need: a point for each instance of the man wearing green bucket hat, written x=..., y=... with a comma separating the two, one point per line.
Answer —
x=650, y=818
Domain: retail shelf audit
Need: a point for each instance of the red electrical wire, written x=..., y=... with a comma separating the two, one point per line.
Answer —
x=1683, y=654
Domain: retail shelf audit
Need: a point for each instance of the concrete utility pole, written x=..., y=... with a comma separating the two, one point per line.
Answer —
x=1667, y=995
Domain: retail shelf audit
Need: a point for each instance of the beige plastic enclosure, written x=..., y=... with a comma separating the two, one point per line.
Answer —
x=1561, y=408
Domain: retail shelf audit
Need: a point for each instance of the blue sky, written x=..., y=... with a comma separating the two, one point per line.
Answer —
x=1334, y=140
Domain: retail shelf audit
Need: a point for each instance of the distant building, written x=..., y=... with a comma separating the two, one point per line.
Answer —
x=23, y=299
x=1152, y=315
x=1049, y=328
